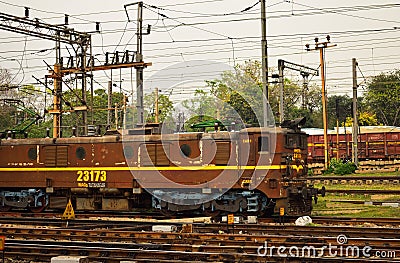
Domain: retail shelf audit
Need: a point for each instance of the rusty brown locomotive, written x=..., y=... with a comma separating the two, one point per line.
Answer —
x=257, y=171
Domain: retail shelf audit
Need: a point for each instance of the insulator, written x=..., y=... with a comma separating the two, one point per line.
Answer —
x=66, y=19
x=26, y=12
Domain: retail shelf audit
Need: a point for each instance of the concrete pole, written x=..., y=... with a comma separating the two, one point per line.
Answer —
x=139, y=70
x=355, y=119
x=109, y=99
x=324, y=107
x=156, y=104
x=264, y=62
x=281, y=86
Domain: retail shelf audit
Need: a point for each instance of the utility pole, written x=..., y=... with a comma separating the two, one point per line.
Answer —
x=116, y=115
x=321, y=46
x=281, y=85
x=156, y=104
x=337, y=128
x=124, y=111
x=57, y=117
x=264, y=62
x=109, y=99
x=139, y=70
x=355, y=119
x=139, y=59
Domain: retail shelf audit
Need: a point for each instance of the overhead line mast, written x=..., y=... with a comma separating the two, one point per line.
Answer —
x=82, y=64
x=139, y=59
x=264, y=62
x=59, y=34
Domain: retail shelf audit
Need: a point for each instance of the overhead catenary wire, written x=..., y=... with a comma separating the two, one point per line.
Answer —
x=237, y=45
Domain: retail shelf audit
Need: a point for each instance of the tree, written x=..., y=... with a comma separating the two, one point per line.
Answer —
x=165, y=107
x=203, y=107
x=339, y=107
x=242, y=90
x=18, y=104
x=383, y=97
x=364, y=119
x=71, y=99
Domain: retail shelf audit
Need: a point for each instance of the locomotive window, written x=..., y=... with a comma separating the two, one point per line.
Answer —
x=186, y=150
x=128, y=152
x=263, y=144
x=296, y=141
x=292, y=140
x=303, y=142
x=32, y=154
x=80, y=153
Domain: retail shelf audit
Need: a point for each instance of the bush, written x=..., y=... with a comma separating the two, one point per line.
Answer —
x=338, y=167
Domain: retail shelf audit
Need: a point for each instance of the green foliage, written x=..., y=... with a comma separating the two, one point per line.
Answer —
x=383, y=97
x=364, y=119
x=238, y=93
x=165, y=107
x=241, y=90
x=340, y=168
x=339, y=107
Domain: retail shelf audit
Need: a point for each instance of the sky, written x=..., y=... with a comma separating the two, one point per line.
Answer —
x=193, y=41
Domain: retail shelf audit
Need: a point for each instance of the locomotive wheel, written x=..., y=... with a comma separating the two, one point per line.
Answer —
x=168, y=213
x=212, y=213
x=39, y=209
x=5, y=208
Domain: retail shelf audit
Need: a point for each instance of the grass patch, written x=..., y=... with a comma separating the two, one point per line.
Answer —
x=366, y=174
x=327, y=206
x=367, y=211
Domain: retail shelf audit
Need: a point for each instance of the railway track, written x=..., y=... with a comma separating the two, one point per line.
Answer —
x=364, y=191
x=146, y=223
x=354, y=180
x=114, y=245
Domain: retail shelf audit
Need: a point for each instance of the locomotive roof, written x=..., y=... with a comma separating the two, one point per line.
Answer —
x=220, y=135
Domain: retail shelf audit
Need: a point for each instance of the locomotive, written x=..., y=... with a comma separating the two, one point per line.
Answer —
x=253, y=171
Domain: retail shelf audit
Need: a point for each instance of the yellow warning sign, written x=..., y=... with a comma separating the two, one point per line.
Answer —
x=282, y=211
x=231, y=219
x=2, y=242
x=69, y=212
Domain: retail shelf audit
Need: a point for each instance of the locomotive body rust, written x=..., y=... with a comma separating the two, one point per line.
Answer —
x=108, y=172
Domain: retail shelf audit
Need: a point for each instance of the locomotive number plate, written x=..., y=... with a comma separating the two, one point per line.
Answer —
x=297, y=154
x=91, y=176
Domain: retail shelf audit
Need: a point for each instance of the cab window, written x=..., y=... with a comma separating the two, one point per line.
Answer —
x=263, y=144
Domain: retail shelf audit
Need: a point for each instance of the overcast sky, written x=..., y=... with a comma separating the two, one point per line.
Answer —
x=196, y=40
